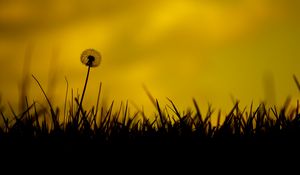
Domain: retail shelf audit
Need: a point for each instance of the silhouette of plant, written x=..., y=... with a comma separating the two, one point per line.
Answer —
x=90, y=58
x=169, y=125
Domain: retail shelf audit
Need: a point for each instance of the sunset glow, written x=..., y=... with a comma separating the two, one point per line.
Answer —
x=213, y=51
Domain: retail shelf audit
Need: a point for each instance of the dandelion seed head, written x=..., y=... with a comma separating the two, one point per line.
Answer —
x=91, y=57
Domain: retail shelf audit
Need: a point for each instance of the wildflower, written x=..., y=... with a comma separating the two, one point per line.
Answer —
x=91, y=57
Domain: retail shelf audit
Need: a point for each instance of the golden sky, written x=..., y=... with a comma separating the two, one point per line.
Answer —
x=210, y=50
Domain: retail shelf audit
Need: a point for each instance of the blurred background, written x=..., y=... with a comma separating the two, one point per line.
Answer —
x=216, y=51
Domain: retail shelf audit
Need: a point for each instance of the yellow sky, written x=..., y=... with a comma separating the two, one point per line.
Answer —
x=210, y=50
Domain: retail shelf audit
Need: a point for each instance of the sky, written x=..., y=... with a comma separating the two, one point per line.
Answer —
x=216, y=51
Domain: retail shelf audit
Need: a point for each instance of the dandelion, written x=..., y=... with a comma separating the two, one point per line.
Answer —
x=90, y=58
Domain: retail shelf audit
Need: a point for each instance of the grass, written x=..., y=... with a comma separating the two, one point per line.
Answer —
x=168, y=131
x=117, y=137
x=169, y=125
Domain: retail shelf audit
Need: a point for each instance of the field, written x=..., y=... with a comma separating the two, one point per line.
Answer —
x=256, y=125
x=116, y=135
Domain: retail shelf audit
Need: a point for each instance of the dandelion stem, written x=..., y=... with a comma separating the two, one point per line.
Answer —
x=83, y=92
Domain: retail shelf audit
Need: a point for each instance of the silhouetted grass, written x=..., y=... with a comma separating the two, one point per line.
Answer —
x=167, y=126
x=168, y=131
x=115, y=135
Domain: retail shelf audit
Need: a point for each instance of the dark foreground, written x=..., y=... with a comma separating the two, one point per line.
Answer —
x=261, y=138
